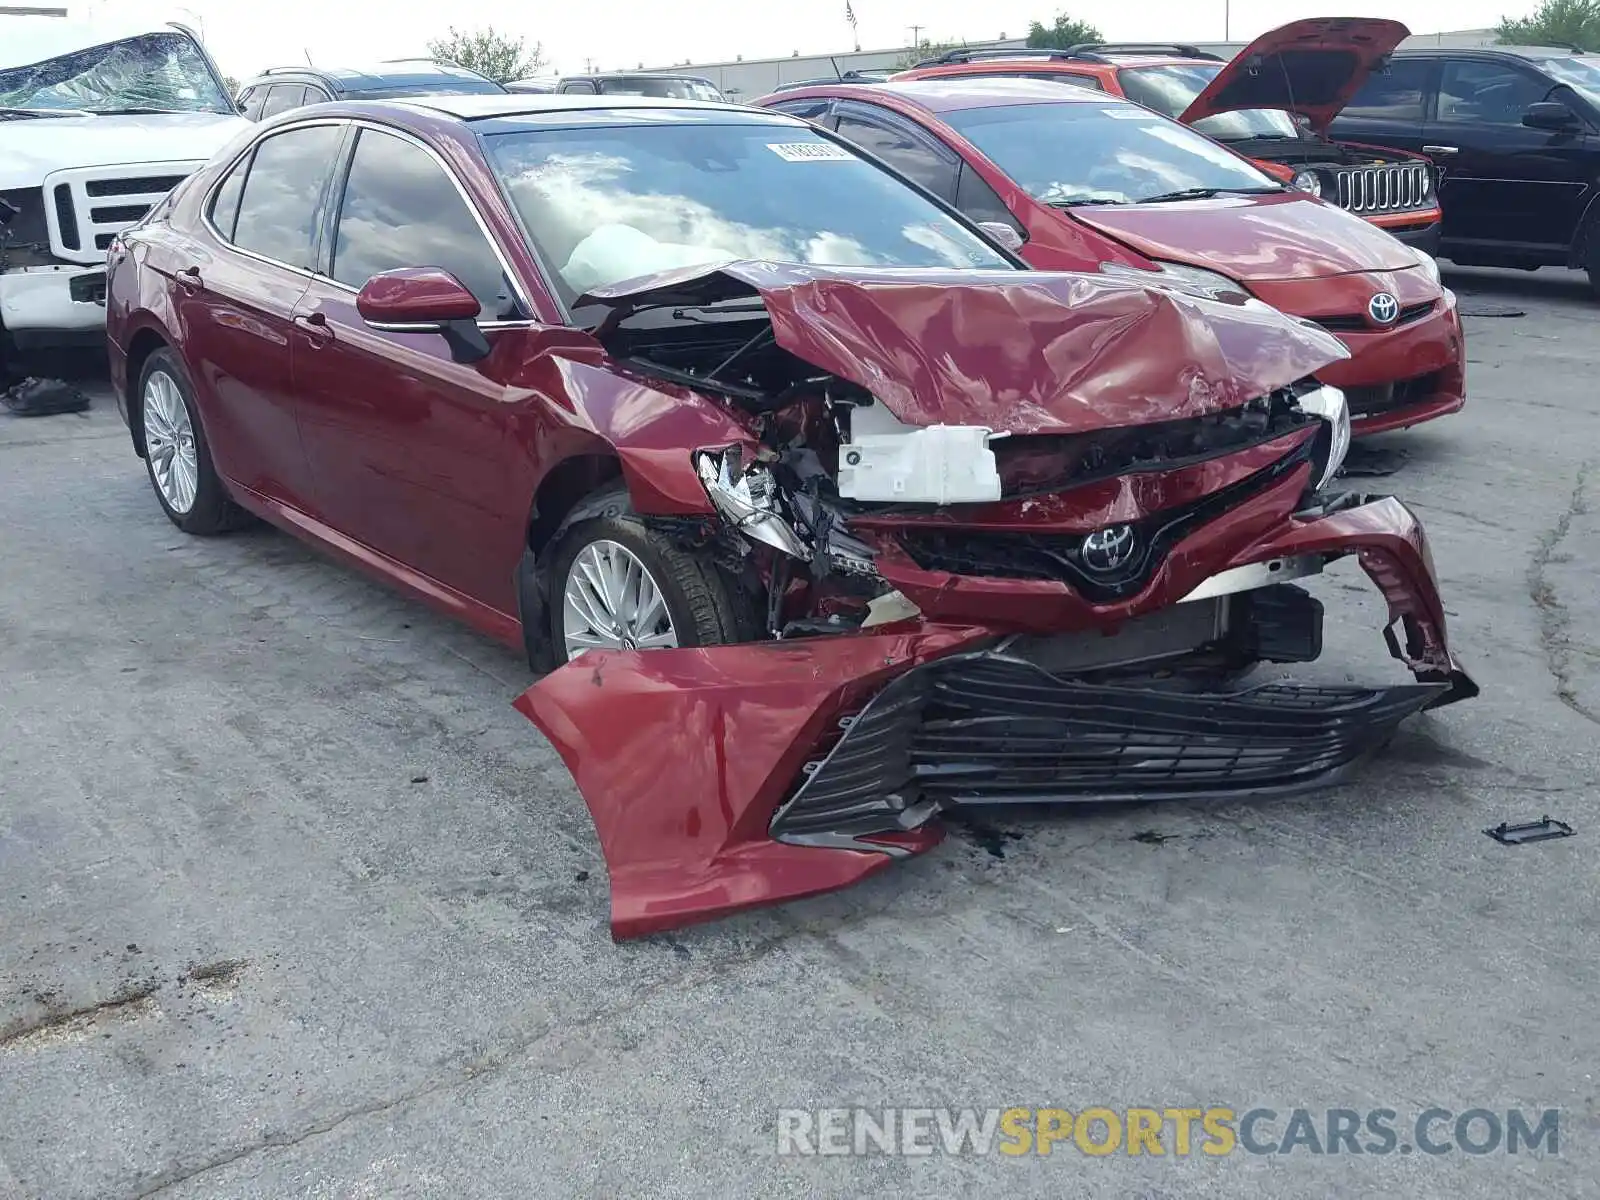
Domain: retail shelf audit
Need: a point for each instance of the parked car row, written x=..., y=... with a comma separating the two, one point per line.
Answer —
x=830, y=513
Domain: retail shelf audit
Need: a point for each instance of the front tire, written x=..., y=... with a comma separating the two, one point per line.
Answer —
x=617, y=584
x=176, y=454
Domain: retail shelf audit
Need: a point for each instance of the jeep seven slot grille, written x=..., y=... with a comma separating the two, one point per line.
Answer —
x=1368, y=190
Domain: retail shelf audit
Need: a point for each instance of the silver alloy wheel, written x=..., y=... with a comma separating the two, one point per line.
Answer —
x=612, y=602
x=169, y=442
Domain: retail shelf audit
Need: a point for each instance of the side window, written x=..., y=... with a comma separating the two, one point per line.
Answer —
x=809, y=110
x=979, y=202
x=282, y=202
x=1086, y=81
x=315, y=95
x=911, y=156
x=225, y=204
x=1487, y=93
x=251, y=100
x=281, y=97
x=401, y=210
x=1398, y=94
x=582, y=86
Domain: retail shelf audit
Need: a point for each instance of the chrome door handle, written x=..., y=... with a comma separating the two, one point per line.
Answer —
x=1441, y=150
x=189, y=279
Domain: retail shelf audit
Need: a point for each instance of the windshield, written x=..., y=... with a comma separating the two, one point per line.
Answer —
x=608, y=204
x=667, y=89
x=1171, y=89
x=158, y=72
x=1103, y=153
x=1582, y=75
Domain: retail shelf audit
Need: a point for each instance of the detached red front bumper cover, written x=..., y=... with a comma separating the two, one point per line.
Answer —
x=725, y=778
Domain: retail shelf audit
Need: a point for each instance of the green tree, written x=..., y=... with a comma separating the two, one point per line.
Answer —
x=489, y=53
x=1069, y=31
x=1555, y=23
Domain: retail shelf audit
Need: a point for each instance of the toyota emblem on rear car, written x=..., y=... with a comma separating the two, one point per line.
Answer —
x=1105, y=550
x=1383, y=309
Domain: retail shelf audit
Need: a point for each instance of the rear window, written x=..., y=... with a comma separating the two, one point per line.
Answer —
x=666, y=89
x=608, y=204
x=1171, y=89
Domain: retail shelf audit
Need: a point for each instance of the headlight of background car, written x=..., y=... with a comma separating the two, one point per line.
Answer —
x=1207, y=283
x=1430, y=268
x=1306, y=181
x=1329, y=404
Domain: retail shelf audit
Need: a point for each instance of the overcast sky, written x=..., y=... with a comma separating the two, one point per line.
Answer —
x=247, y=35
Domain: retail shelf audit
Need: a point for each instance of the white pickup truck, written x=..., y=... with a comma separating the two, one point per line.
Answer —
x=97, y=123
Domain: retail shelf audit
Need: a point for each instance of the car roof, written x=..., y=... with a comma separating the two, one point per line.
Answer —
x=1534, y=53
x=409, y=73
x=952, y=93
x=558, y=105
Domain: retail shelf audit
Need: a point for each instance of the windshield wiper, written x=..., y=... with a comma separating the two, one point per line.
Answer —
x=1083, y=201
x=136, y=110
x=27, y=114
x=1203, y=193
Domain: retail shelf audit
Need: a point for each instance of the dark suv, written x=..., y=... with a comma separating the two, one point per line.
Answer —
x=1515, y=132
x=279, y=89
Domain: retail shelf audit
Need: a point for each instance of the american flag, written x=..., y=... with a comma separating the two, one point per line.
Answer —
x=850, y=13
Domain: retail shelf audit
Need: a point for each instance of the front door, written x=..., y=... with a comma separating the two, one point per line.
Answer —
x=411, y=451
x=1503, y=184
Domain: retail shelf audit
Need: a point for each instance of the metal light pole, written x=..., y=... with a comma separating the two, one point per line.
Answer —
x=1227, y=21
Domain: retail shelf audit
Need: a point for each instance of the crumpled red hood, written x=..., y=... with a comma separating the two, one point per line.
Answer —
x=1018, y=352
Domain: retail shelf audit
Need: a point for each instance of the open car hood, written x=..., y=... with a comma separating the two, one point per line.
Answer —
x=1313, y=68
x=1017, y=352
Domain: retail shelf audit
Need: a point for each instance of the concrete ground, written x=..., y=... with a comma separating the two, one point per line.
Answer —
x=293, y=904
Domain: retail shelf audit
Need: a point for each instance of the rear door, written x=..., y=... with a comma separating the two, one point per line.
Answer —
x=410, y=450
x=236, y=308
x=1503, y=184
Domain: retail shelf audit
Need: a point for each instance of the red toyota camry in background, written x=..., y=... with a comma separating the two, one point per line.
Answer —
x=1086, y=182
x=829, y=514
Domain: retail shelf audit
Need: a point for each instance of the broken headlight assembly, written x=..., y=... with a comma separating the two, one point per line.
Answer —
x=748, y=500
x=1329, y=403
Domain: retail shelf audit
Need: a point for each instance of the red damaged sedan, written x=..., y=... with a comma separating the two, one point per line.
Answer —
x=821, y=514
x=1083, y=181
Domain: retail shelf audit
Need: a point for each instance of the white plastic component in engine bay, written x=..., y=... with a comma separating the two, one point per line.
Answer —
x=886, y=460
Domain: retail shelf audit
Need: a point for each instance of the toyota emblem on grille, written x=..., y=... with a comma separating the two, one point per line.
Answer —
x=1383, y=309
x=1105, y=550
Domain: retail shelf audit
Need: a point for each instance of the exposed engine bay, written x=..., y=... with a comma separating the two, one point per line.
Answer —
x=829, y=458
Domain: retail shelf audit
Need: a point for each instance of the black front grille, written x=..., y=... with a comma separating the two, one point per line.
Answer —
x=1358, y=323
x=67, y=217
x=126, y=213
x=1367, y=401
x=146, y=185
x=1030, y=464
x=986, y=729
x=1059, y=556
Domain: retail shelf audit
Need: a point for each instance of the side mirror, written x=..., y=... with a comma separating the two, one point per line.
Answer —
x=425, y=300
x=1005, y=234
x=1549, y=115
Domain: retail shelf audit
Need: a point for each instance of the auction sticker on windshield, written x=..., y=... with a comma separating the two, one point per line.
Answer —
x=810, y=152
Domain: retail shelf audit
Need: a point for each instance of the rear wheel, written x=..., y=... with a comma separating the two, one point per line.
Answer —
x=176, y=455
x=618, y=585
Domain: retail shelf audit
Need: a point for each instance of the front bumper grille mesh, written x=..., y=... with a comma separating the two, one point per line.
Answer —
x=988, y=729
